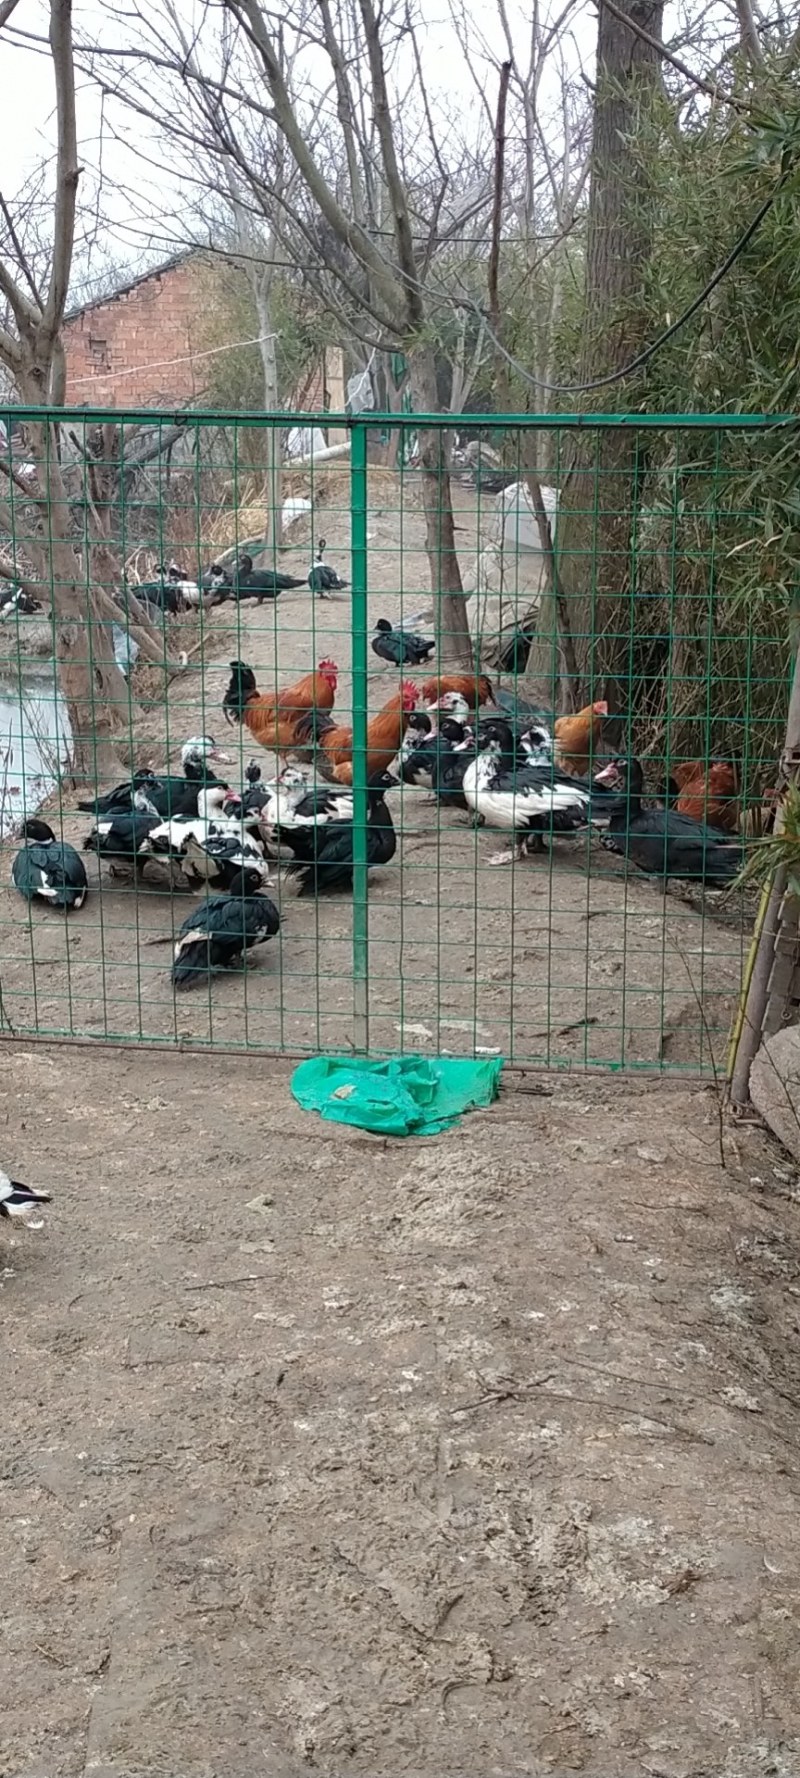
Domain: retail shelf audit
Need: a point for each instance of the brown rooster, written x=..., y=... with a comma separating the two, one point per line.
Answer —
x=384, y=737
x=708, y=793
x=577, y=738
x=288, y=720
x=476, y=688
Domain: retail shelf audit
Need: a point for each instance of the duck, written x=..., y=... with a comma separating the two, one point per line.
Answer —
x=319, y=806
x=155, y=794
x=20, y=1202
x=14, y=599
x=260, y=583
x=322, y=579
x=455, y=756
x=323, y=852
x=529, y=800
x=216, y=585
x=217, y=811
x=48, y=869
x=219, y=932
x=284, y=795
x=166, y=593
x=400, y=647
x=419, y=769
x=220, y=857
x=416, y=742
x=118, y=838
x=662, y=843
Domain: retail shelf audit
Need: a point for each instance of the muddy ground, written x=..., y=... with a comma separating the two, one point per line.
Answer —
x=564, y=959
x=329, y=1454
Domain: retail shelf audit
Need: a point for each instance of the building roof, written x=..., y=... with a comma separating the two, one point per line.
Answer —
x=156, y=271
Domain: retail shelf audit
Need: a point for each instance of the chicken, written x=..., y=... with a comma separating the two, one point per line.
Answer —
x=708, y=793
x=577, y=738
x=476, y=688
x=385, y=735
x=288, y=720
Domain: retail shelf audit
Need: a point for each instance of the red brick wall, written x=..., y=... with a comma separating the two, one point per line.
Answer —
x=136, y=333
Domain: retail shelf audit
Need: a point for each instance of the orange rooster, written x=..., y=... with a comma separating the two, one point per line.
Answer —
x=577, y=738
x=287, y=721
x=708, y=793
x=476, y=688
x=384, y=737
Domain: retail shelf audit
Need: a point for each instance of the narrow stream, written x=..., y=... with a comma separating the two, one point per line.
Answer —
x=34, y=741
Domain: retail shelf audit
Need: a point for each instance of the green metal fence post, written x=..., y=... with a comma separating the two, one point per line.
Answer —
x=358, y=534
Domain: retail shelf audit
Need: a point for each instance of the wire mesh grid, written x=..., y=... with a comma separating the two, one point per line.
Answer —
x=655, y=602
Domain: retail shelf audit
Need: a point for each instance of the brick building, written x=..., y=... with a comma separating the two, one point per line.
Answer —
x=135, y=348
x=139, y=347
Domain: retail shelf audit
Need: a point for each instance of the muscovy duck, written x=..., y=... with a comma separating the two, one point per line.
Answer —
x=20, y=1202
x=157, y=794
x=456, y=753
x=415, y=740
x=323, y=852
x=528, y=800
x=322, y=579
x=119, y=836
x=260, y=583
x=168, y=839
x=661, y=842
x=400, y=647
x=216, y=934
x=220, y=857
x=49, y=869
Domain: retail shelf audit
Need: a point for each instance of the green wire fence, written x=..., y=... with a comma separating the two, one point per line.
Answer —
x=635, y=560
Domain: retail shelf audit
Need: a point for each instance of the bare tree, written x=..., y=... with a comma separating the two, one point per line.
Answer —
x=580, y=637
x=365, y=216
x=34, y=285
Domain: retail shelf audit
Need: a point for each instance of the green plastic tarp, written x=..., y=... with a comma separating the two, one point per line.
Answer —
x=402, y=1096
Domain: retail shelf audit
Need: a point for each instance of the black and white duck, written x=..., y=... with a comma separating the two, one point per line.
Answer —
x=661, y=842
x=415, y=758
x=47, y=869
x=322, y=579
x=456, y=753
x=218, y=811
x=156, y=793
x=217, y=934
x=323, y=850
x=118, y=838
x=260, y=583
x=527, y=800
x=20, y=1203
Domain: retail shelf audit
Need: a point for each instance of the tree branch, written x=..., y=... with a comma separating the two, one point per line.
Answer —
x=396, y=189
x=492, y=277
x=703, y=86
x=749, y=34
x=351, y=234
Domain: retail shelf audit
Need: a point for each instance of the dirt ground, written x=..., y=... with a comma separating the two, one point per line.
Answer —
x=564, y=959
x=325, y=1453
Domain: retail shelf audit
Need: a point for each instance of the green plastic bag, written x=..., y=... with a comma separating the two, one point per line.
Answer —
x=403, y=1096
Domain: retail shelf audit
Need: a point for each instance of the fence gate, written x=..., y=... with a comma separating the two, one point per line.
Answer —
x=661, y=595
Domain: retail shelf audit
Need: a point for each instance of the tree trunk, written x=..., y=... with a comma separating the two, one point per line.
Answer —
x=450, y=605
x=91, y=683
x=596, y=512
x=273, y=451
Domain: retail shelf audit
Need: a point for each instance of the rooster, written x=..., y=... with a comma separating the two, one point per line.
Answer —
x=577, y=738
x=385, y=735
x=707, y=793
x=476, y=688
x=288, y=720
